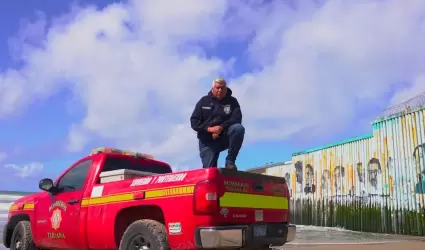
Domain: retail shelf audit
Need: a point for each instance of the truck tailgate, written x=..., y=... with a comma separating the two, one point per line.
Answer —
x=251, y=198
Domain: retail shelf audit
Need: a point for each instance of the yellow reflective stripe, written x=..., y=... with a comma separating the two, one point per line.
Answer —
x=158, y=193
x=29, y=206
x=107, y=199
x=25, y=206
x=230, y=199
x=169, y=192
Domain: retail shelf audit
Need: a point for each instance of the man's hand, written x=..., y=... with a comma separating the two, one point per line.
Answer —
x=215, y=135
x=215, y=129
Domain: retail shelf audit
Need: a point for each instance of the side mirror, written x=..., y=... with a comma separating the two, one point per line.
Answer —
x=46, y=184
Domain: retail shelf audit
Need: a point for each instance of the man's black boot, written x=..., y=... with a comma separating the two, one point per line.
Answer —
x=231, y=166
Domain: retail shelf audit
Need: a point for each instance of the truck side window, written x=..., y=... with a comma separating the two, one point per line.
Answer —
x=115, y=163
x=74, y=179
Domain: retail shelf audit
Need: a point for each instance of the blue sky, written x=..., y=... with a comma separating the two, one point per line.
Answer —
x=78, y=75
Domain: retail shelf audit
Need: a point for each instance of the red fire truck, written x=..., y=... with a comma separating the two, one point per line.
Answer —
x=114, y=199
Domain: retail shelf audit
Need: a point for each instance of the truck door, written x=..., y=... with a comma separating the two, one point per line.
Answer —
x=58, y=215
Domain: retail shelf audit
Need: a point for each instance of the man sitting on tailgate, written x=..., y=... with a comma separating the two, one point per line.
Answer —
x=217, y=118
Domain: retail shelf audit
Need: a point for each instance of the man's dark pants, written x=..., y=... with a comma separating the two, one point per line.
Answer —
x=232, y=140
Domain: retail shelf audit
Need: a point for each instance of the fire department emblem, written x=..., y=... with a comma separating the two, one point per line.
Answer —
x=56, y=219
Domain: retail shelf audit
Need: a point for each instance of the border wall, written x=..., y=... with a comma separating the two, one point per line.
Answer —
x=372, y=183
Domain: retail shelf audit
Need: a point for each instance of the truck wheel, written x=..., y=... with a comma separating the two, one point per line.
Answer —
x=22, y=237
x=144, y=235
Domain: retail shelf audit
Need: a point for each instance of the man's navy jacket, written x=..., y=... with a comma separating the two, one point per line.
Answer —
x=209, y=112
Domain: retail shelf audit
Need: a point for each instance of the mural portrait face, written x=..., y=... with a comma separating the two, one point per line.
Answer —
x=373, y=168
x=288, y=178
x=360, y=172
x=309, y=175
x=325, y=179
x=419, y=156
x=299, y=172
x=309, y=182
x=339, y=173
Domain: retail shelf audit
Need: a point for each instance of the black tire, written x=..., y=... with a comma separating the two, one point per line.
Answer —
x=22, y=237
x=145, y=232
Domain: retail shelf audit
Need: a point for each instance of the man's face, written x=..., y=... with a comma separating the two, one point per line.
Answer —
x=219, y=90
x=360, y=172
x=373, y=174
x=337, y=177
x=310, y=175
x=337, y=173
x=325, y=178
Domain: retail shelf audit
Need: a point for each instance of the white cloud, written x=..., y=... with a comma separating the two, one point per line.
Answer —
x=413, y=89
x=26, y=170
x=139, y=84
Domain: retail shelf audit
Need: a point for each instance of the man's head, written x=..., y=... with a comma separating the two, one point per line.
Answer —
x=219, y=88
x=374, y=168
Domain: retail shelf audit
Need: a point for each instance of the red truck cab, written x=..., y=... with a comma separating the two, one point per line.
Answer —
x=114, y=199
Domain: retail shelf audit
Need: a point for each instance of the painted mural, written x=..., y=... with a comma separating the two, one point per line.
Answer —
x=383, y=172
x=389, y=162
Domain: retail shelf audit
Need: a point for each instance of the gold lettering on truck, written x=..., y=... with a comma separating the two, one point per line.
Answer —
x=56, y=235
x=236, y=186
x=59, y=204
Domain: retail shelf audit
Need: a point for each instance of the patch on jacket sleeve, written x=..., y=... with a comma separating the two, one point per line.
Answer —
x=227, y=109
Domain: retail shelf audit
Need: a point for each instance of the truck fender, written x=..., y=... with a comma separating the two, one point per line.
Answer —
x=126, y=216
x=10, y=226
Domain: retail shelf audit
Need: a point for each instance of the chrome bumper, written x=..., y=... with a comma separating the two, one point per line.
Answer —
x=242, y=236
x=221, y=238
x=292, y=233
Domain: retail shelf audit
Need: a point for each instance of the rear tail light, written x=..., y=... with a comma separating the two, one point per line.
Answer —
x=206, y=197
